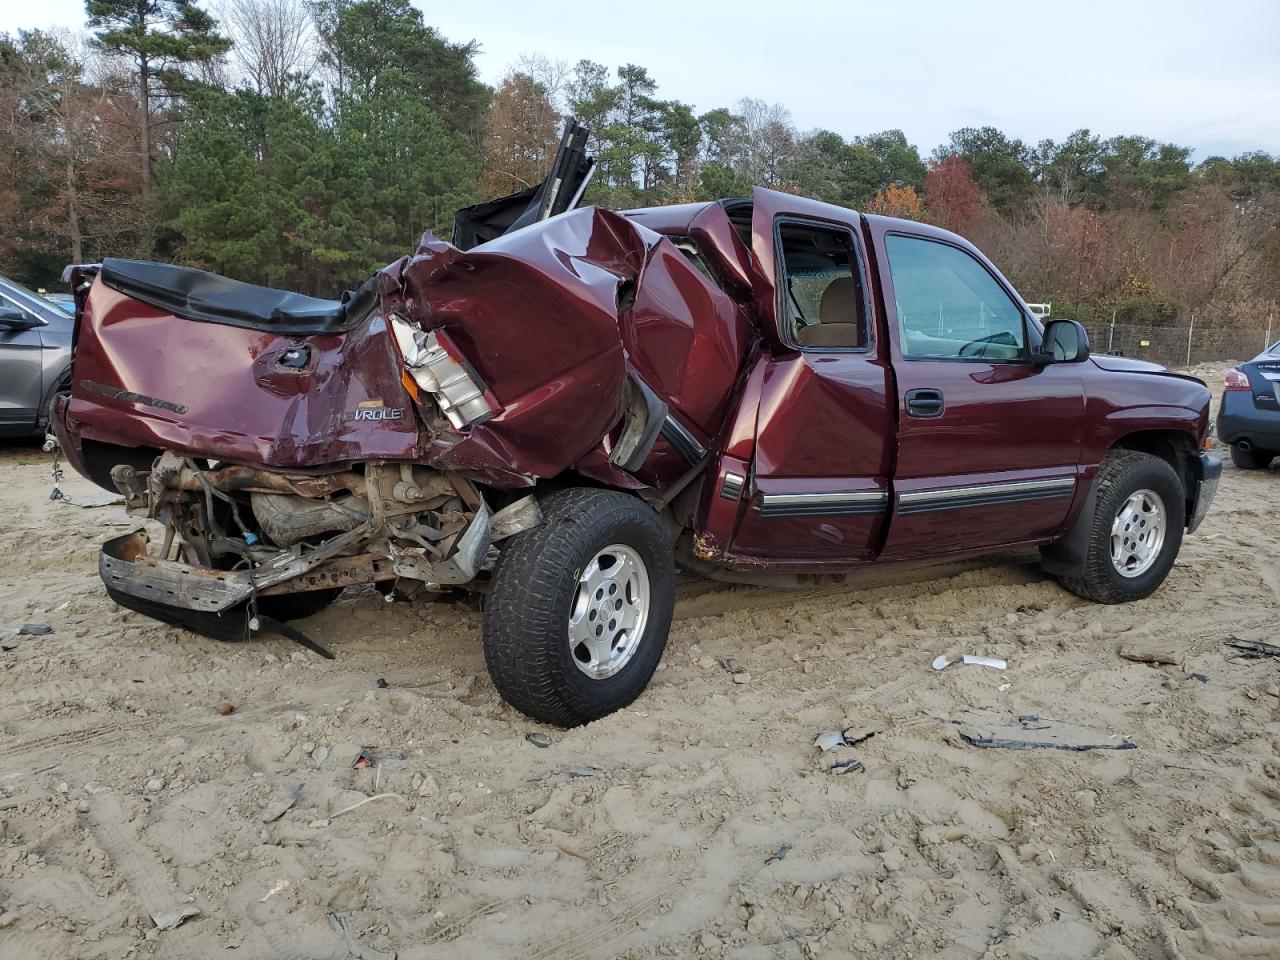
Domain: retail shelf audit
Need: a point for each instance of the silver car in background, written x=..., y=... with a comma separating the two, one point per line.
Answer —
x=35, y=358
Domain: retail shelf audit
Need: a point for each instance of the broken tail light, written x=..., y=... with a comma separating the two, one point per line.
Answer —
x=435, y=365
x=1237, y=380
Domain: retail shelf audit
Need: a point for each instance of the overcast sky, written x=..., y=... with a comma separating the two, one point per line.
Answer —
x=1202, y=74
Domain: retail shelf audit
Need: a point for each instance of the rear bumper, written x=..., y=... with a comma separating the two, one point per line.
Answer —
x=126, y=568
x=1206, y=488
x=1239, y=418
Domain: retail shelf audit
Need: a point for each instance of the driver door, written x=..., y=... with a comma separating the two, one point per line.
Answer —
x=988, y=441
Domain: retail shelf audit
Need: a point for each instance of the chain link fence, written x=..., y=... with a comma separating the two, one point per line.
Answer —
x=1181, y=346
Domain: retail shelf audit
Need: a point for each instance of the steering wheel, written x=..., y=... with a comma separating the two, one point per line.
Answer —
x=978, y=348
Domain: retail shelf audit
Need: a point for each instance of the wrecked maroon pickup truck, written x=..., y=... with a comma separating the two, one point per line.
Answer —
x=566, y=403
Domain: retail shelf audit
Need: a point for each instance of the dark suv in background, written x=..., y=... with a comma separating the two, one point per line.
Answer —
x=1249, y=418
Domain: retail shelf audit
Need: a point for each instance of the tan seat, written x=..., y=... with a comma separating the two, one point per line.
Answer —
x=829, y=335
x=837, y=316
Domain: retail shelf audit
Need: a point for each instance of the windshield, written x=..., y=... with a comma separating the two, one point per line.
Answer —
x=24, y=297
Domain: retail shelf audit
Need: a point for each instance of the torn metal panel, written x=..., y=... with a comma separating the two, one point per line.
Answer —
x=551, y=318
x=242, y=395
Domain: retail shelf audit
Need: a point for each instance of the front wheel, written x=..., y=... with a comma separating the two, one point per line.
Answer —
x=1137, y=529
x=579, y=609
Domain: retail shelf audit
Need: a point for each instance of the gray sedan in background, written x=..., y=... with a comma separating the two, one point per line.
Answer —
x=35, y=358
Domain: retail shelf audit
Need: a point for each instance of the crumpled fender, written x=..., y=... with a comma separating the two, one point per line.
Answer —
x=549, y=317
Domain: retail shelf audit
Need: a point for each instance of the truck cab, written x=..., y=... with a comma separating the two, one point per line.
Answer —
x=905, y=401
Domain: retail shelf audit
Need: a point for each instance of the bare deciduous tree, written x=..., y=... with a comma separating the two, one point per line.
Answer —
x=273, y=40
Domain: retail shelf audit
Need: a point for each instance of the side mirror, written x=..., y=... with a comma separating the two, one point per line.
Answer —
x=11, y=318
x=1065, y=341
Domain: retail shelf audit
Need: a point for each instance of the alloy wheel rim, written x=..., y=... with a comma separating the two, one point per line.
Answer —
x=1138, y=532
x=609, y=612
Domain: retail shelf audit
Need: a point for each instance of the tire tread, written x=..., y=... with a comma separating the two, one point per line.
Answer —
x=1095, y=582
x=523, y=612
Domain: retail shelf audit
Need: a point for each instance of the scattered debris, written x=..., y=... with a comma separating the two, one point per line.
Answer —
x=779, y=855
x=1154, y=651
x=1198, y=676
x=1004, y=686
x=538, y=739
x=354, y=947
x=92, y=501
x=261, y=623
x=1252, y=649
x=225, y=709
x=366, y=758
x=731, y=666
x=319, y=755
x=585, y=770
x=742, y=677
x=274, y=815
x=946, y=660
x=34, y=630
x=840, y=738
x=382, y=683
x=829, y=740
x=280, y=885
x=167, y=921
x=852, y=765
x=1043, y=745
x=1052, y=735
x=360, y=803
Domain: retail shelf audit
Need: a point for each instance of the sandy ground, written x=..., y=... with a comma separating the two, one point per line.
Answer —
x=711, y=826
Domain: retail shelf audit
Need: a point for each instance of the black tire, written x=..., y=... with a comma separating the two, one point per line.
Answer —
x=535, y=583
x=1251, y=459
x=1123, y=473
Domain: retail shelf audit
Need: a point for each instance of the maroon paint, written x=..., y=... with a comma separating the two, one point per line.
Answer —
x=239, y=405
x=824, y=421
x=536, y=313
x=554, y=316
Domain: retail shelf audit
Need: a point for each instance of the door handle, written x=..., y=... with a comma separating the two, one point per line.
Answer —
x=925, y=403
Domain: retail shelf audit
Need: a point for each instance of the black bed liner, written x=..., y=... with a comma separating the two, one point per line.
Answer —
x=199, y=295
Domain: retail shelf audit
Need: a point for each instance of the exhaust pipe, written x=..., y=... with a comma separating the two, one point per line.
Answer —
x=1244, y=445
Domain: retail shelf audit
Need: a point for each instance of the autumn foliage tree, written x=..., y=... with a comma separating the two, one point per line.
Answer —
x=951, y=195
x=897, y=200
x=520, y=136
x=69, y=140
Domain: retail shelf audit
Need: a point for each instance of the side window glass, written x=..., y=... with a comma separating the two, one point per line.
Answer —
x=949, y=306
x=820, y=288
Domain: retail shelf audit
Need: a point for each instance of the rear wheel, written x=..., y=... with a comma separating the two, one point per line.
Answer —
x=1251, y=458
x=1136, y=531
x=580, y=606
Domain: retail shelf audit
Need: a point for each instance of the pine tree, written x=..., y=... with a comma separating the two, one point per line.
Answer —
x=160, y=36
